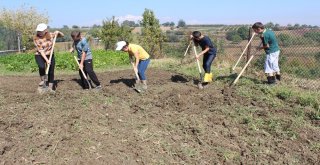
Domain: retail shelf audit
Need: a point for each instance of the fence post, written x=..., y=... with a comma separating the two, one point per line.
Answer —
x=19, y=43
x=249, y=46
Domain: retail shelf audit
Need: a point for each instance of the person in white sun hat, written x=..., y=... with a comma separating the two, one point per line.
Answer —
x=139, y=58
x=43, y=41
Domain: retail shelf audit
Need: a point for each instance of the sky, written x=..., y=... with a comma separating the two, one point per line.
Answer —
x=229, y=12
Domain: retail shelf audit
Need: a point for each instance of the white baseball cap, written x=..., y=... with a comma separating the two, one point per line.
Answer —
x=41, y=27
x=120, y=45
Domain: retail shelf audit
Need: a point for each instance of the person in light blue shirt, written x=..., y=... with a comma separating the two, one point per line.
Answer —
x=81, y=45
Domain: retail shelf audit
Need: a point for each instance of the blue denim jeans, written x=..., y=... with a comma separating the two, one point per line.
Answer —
x=207, y=61
x=142, y=67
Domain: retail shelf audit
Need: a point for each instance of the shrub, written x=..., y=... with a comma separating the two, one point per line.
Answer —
x=284, y=94
x=307, y=100
x=64, y=61
x=317, y=57
x=236, y=38
x=313, y=35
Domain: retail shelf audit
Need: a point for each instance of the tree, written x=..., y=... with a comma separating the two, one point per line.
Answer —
x=290, y=27
x=24, y=21
x=96, y=26
x=181, y=23
x=112, y=32
x=65, y=27
x=151, y=37
x=230, y=34
x=166, y=24
x=95, y=31
x=237, y=35
x=243, y=32
x=269, y=25
x=75, y=27
x=129, y=23
x=285, y=40
x=314, y=35
x=276, y=27
x=296, y=26
x=236, y=38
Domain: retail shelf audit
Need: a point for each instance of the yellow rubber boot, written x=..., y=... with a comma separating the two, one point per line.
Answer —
x=207, y=77
x=211, y=77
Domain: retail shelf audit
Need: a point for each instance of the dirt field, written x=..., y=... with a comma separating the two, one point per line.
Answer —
x=172, y=123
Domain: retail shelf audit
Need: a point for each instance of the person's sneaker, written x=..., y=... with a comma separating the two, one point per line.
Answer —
x=200, y=86
x=98, y=87
x=271, y=80
x=41, y=83
x=51, y=91
x=278, y=77
x=144, y=87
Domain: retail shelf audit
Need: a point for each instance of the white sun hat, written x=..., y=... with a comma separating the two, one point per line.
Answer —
x=41, y=27
x=120, y=45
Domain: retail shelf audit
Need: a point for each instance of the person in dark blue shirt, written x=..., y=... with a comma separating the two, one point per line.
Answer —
x=209, y=52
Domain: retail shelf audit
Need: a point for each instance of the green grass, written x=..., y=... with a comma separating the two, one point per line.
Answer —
x=25, y=62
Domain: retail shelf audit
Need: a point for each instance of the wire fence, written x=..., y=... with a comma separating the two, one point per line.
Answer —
x=9, y=40
x=299, y=54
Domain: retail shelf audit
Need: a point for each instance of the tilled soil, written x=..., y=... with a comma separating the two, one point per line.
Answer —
x=173, y=122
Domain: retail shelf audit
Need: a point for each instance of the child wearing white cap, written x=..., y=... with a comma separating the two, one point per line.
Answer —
x=139, y=58
x=43, y=41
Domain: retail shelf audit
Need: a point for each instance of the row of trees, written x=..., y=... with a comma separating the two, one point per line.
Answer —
x=181, y=23
x=24, y=20
x=151, y=36
x=277, y=27
x=242, y=33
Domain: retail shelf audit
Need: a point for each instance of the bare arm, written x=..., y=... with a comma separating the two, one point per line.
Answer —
x=83, y=57
x=41, y=51
x=59, y=34
x=136, y=55
x=203, y=52
x=72, y=48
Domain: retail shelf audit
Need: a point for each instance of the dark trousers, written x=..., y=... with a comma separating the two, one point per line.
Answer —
x=42, y=67
x=207, y=61
x=88, y=70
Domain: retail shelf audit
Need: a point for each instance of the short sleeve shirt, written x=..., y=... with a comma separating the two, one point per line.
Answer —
x=206, y=42
x=44, y=44
x=133, y=48
x=83, y=46
x=268, y=37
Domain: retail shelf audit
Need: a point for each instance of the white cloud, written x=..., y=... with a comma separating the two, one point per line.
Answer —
x=129, y=18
